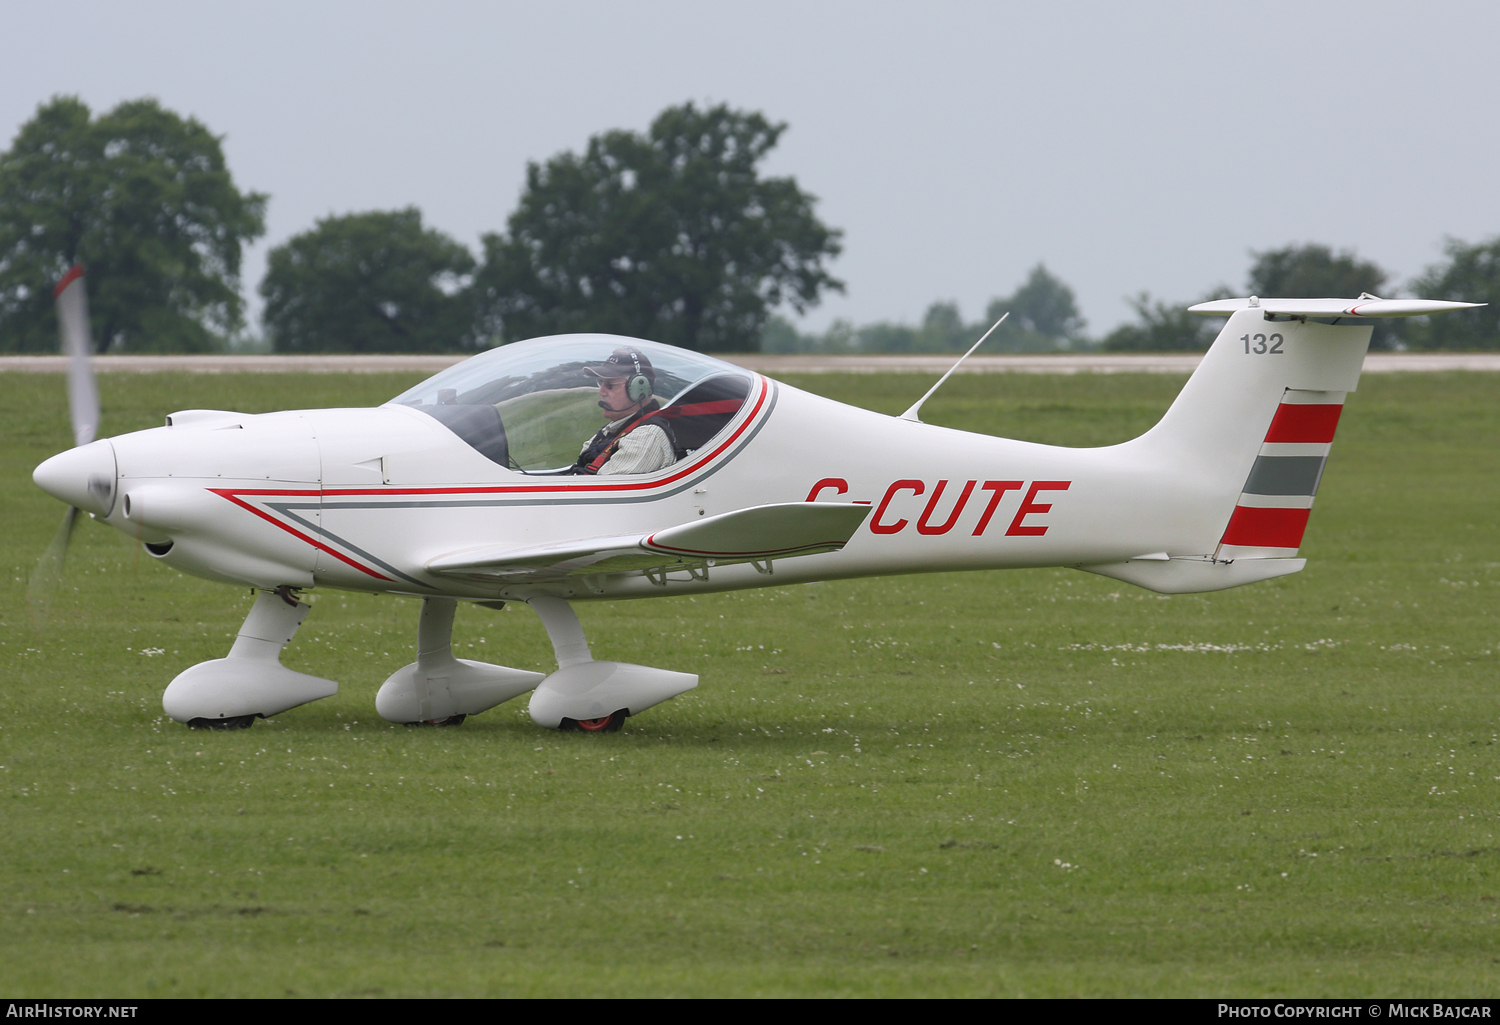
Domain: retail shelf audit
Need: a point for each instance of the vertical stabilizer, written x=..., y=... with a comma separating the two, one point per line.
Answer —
x=1245, y=444
x=1215, y=429
x=1250, y=432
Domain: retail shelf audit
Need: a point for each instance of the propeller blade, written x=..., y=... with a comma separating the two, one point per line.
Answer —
x=83, y=408
x=45, y=578
x=78, y=346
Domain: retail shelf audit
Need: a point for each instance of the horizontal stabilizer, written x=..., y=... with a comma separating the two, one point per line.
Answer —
x=746, y=535
x=1364, y=306
x=1189, y=576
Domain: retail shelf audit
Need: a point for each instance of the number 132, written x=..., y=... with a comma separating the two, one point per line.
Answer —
x=1263, y=346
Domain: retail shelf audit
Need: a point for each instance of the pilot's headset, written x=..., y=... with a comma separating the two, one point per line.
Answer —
x=639, y=387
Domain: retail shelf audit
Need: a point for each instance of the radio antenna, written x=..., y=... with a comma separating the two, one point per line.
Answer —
x=911, y=414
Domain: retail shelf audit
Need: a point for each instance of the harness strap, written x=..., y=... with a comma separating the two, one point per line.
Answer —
x=591, y=464
x=593, y=459
x=718, y=407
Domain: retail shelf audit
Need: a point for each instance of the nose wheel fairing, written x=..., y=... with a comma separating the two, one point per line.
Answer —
x=250, y=681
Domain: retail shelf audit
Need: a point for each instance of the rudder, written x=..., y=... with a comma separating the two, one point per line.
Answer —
x=1271, y=513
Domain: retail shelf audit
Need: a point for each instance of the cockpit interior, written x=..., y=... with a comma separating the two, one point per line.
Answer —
x=530, y=406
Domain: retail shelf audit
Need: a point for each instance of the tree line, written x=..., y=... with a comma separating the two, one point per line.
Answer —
x=671, y=234
x=1044, y=315
x=1471, y=273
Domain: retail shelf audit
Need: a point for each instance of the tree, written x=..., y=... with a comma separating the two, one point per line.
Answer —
x=1316, y=272
x=1472, y=274
x=671, y=235
x=144, y=200
x=1043, y=316
x=1164, y=327
x=1043, y=305
x=371, y=282
x=942, y=330
x=1313, y=272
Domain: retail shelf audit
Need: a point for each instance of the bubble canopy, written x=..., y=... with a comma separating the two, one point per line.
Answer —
x=530, y=406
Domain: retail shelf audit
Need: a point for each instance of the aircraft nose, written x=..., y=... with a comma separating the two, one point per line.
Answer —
x=84, y=476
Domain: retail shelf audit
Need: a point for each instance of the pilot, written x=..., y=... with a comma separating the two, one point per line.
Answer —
x=634, y=440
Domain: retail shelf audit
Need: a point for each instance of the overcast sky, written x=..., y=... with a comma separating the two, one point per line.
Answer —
x=1140, y=146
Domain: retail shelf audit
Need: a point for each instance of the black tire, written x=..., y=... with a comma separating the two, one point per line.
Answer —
x=233, y=722
x=608, y=724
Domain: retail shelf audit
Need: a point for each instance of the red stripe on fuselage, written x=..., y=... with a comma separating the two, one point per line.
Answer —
x=320, y=546
x=233, y=494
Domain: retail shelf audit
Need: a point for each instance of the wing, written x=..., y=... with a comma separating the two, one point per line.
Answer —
x=747, y=535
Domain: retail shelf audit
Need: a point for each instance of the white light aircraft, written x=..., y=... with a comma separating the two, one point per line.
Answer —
x=460, y=490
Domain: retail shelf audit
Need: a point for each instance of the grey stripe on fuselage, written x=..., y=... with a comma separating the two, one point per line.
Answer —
x=286, y=509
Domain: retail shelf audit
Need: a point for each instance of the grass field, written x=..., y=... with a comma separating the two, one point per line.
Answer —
x=1031, y=783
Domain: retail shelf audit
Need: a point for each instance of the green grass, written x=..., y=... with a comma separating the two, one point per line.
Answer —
x=1027, y=783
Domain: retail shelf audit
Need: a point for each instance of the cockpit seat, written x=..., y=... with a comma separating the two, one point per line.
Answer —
x=702, y=411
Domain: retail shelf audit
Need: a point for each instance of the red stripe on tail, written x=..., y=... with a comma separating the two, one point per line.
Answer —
x=1266, y=528
x=1304, y=423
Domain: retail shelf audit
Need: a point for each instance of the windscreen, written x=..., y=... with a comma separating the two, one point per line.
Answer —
x=532, y=406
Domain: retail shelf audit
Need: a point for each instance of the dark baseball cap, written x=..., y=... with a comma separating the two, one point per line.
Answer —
x=623, y=362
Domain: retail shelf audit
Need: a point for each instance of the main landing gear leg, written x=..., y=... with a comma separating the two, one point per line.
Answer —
x=591, y=696
x=228, y=693
x=440, y=690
